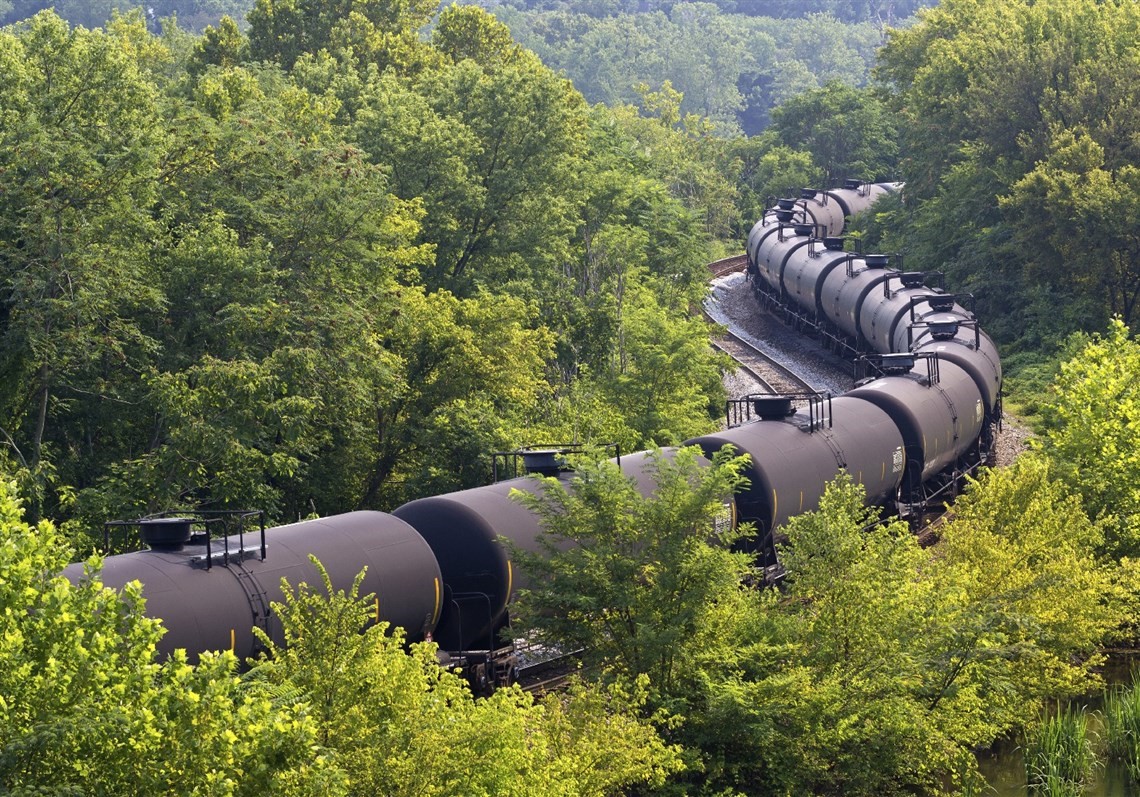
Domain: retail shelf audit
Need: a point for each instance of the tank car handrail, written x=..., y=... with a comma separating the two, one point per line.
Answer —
x=873, y=366
x=871, y=260
x=968, y=323
x=204, y=518
x=514, y=456
x=739, y=411
x=965, y=300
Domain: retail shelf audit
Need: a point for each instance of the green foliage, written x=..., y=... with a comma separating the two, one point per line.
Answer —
x=848, y=131
x=770, y=171
x=1072, y=209
x=468, y=374
x=397, y=723
x=731, y=68
x=85, y=709
x=223, y=46
x=222, y=282
x=880, y=666
x=523, y=167
x=1121, y=719
x=663, y=377
x=79, y=147
x=385, y=29
x=470, y=32
x=643, y=584
x=1030, y=600
x=1060, y=759
x=1032, y=104
x=1092, y=432
x=880, y=12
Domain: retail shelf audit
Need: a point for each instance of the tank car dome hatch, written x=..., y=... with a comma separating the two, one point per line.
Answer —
x=785, y=216
x=852, y=184
x=808, y=193
x=876, y=261
x=834, y=243
x=912, y=279
x=544, y=461
x=165, y=533
x=773, y=407
x=941, y=302
x=786, y=204
x=943, y=330
x=804, y=229
x=896, y=364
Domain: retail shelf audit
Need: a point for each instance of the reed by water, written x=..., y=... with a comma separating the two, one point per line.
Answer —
x=1060, y=757
x=1121, y=717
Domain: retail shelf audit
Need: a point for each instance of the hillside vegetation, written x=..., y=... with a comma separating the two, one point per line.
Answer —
x=333, y=259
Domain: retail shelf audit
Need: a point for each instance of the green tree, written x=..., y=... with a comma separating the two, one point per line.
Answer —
x=84, y=707
x=1023, y=101
x=1092, y=432
x=470, y=32
x=282, y=261
x=1071, y=209
x=768, y=171
x=636, y=581
x=664, y=375
x=284, y=30
x=528, y=126
x=398, y=723
x=223, y=46
x=80, y=145
x=468, y=379
x=848, y=131
x=884, y=665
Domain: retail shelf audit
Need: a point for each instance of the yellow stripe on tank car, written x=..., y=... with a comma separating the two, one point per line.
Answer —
x=438, y=605
x=801, y=500
x=233, y=640
x=775, y=503
x=510, y=580
x=377, y=608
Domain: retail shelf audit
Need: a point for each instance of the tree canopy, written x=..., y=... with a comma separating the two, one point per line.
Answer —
x=333, y=264
x=1018, y=143
x=878, y=668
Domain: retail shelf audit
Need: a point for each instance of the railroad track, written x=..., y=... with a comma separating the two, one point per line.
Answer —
x=550, y=675
x=772, y=376
x=727, y=265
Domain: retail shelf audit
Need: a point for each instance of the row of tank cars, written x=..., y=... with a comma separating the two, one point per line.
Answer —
x=436, y=566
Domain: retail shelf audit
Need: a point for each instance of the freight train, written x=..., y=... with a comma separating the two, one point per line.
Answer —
x=436, y=567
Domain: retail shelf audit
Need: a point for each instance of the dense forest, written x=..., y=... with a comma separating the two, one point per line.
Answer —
x=331, y=256
x=732, y=66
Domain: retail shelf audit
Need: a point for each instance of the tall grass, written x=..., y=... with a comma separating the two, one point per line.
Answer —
x=1121, y=714
x=1060, y=759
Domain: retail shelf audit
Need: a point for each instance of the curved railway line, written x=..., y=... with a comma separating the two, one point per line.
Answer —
x=772, y=376
x=727, y=265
